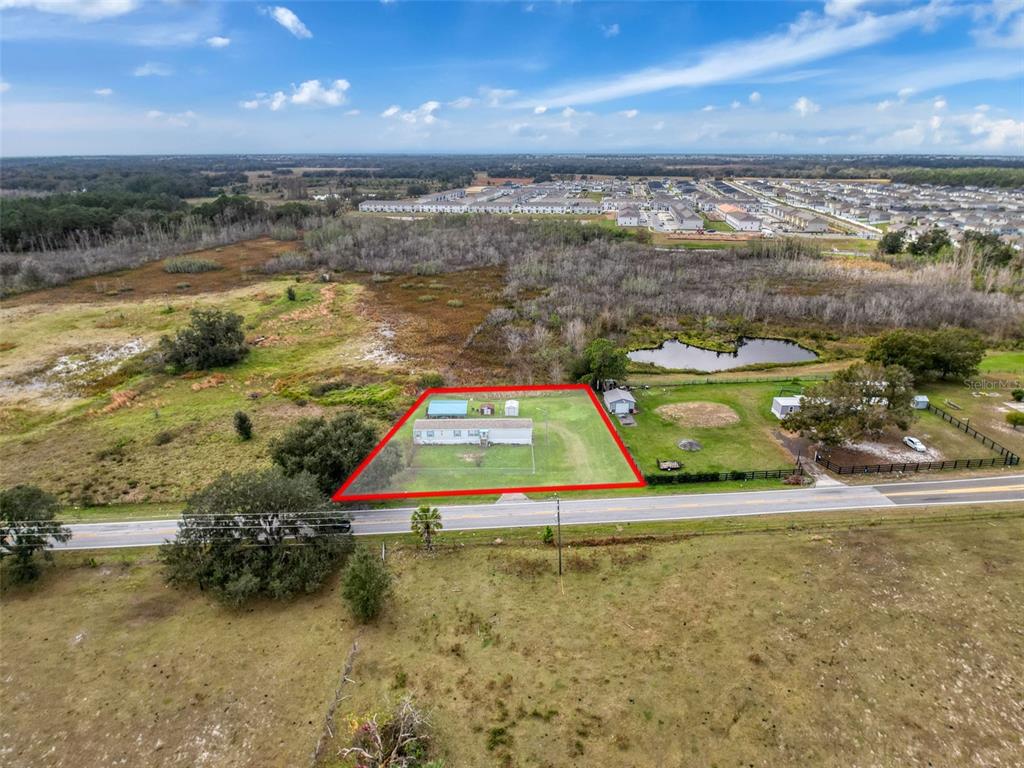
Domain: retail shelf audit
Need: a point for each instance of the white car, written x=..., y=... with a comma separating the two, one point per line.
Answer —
x=914, y=443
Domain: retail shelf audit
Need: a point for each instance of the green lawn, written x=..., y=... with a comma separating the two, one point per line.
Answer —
x=571, y=446
x=716, y=226
x=746, y=444
x=999, y=361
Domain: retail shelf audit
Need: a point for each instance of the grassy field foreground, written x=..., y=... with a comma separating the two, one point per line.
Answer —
x=889, y=645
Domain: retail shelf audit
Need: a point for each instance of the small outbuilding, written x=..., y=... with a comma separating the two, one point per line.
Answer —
x=487, y=409
x=447, y=409
x=920, y=402
x=785, y=405
x=619, y=401
x=511, y=407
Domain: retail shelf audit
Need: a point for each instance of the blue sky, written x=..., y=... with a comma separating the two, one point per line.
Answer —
x=180, y=76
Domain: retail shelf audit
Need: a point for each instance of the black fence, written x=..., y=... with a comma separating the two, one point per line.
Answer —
x=679, y=478
x=963, y=426
x=914, y=466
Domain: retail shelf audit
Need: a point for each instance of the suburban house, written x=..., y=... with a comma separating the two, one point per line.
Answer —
x=447, y=409
x=785, y=405
x=619, y=401
x=472, y=432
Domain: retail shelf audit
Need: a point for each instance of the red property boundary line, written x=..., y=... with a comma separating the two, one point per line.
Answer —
x=341, y=496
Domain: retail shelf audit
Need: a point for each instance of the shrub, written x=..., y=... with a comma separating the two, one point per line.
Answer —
x=284, y=232
x=212, y=338
x=290, y=293
x=430, y=380
x=187, y=265
x=27, y=526
x=454, y=303
x=400, y=739
x=243, y=425
x=328, y=450
x=1018, y=395
x=548, y=536
x=163, y=438
x=289, y=261
x=379, y=278
x=426, y=297
x=257, y=534
x=1015, y=419
x=365, y=584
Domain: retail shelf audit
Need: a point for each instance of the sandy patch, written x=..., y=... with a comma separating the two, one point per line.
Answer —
x=698, y=414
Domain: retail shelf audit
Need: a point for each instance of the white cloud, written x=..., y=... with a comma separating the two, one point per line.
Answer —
x=391, y=111
x=218, y=41
x=939, y=103
x=287, y=19
x=153, y=69
x=811, y=37
x=4, y=86
x=904, y=94
x=708, y=108
x=568, y=112
x=935, y=122
x=734, y=105
x=629, y=114
x=1000, y=24
x=494, y=97
x=312, y=92
x=174, y=119
x=352, y=112
x=754, y=98
x=805, y=106
x=612, y=30
x=86, y=10
x=104, y=91
x=463, y=102
x=883, y=105
x=539, y=110
x=423, y=113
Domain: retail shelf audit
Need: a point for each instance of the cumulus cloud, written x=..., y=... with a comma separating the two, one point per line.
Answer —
x=287, y=19
x=939, y=103
x=754, y=98
x=734, y=105
x=218, y=41
x=153, y=69
x=424, y=113
x=629, y=114
x=540, y=110
x=611, y=30
x=86, y=10
x=805, y=106
x=494, y=97
x=708, y=108
x=104, y=91
x=904, y=94
x=310, y=93
x=568, y=112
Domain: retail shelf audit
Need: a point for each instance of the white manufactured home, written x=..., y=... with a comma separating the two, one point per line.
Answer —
x=472, y=432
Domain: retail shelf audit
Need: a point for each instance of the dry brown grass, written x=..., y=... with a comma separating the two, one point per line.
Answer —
x=698, y=414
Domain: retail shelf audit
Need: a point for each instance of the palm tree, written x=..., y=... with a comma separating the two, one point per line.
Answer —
x=426, y=521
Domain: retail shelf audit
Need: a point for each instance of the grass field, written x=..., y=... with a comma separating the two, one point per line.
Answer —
x=747, y=443
x=898, y=640
x=1000, y=361
x=571, y=446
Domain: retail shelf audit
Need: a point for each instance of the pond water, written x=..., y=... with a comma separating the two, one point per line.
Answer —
x=679, y=356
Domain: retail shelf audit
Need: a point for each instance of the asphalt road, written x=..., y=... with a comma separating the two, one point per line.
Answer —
x=629, y=509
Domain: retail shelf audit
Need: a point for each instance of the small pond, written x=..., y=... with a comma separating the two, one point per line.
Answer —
x=679, y=356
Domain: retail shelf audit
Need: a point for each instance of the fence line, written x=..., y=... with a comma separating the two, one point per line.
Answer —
x=963, y=426
x=715, y=477
x=708, y=380
x=912, y=466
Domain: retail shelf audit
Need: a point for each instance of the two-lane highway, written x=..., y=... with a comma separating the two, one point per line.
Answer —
x=625, y=509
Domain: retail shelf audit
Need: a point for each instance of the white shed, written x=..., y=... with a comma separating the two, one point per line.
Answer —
x=920, y=402
x=619, y=401
x=783, y=406
x=511, y=407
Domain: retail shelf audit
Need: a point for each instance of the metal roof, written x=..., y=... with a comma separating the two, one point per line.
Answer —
x=447, y=408
x=473, y=424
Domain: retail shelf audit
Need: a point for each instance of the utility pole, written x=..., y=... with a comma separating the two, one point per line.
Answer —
x=558, y=523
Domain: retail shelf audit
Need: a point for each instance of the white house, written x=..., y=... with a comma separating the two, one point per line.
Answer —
x=783, y=406
x=472, y=432
x=628, y=217
x=511, y=407
x=619, y=401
